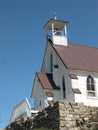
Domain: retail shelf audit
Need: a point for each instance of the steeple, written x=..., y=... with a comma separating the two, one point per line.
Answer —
x=56, y=31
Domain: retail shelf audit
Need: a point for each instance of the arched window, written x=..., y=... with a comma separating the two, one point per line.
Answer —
x=63, y=87
x=90, y=86
x=51, y=63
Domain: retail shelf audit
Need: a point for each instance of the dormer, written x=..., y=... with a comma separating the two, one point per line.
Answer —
x=57, y=32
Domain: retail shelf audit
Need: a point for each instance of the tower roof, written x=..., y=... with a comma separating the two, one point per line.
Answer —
x=58, y=24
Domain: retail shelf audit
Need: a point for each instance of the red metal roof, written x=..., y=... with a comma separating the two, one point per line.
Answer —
x=47, y=81
x=78, y=57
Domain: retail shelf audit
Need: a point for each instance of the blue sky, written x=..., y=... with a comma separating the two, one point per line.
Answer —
x=23, y=41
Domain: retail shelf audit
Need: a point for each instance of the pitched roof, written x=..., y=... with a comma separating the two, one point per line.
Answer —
x=78, y=57
x=47, y=81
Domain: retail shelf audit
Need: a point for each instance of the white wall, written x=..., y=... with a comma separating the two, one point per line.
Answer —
x=23, y=109
x=58, y=74
x=46, y=61
x=56, y=94
x=61, y=71
x=81, y=84
x=59, y=40
x=40, y=96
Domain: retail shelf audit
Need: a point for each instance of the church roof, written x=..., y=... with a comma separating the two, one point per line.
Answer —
x=47, y=81
x=78, y=57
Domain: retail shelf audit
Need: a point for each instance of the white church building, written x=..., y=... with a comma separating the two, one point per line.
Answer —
x=69, y=71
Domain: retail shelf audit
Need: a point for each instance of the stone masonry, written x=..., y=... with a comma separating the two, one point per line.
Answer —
x=61, y=116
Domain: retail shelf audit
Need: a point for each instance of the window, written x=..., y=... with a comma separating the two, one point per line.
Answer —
x=90, y=86
x=63, y=87
x=51, y=63
x=40, y=103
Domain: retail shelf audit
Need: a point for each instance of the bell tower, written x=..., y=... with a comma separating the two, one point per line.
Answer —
x=56, y=30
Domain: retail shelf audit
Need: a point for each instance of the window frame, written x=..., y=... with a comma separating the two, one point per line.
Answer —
x=90, y=87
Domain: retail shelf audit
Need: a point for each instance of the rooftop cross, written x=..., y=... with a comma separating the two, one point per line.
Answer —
x=55, y=15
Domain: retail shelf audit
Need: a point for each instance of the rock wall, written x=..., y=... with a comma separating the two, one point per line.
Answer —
x=61, y=116
x=75, y=116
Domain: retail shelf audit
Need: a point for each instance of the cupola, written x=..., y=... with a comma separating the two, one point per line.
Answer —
x=56, y=31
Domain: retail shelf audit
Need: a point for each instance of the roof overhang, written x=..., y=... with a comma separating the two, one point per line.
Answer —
x=58, y=24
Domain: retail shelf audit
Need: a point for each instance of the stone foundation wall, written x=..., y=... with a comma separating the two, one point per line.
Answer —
x=75, y=116
x=61, y=116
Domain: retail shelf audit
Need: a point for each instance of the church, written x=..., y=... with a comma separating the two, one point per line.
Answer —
x=69, y=71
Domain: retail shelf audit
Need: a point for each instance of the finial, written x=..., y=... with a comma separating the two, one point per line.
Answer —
x=55, y=15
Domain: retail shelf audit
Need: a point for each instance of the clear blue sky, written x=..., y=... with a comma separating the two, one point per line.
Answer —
x=22, y=42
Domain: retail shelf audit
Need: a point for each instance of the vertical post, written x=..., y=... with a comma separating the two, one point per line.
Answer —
x=65, y=31
x=52, y=32
x=52, y=29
